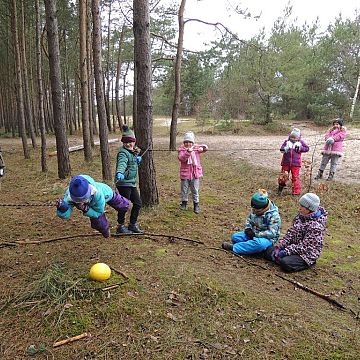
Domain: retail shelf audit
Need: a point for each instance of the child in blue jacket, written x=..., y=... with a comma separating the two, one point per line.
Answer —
x=90, y=197
x=262, y=228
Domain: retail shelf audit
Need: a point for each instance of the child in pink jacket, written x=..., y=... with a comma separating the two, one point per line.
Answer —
x=190, y=170
x=333, y=149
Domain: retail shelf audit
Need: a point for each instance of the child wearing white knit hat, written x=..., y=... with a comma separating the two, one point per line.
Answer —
x=190, y=170
x=303, y=242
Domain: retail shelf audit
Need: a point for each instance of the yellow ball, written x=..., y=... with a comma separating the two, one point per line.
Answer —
x=100, y=272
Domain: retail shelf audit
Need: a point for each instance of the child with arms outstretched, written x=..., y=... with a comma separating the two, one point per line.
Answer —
x=90, y=197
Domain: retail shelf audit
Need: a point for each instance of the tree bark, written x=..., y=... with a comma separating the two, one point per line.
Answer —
x=84, y=86
x=19, y=82
x=29, y=120
x=117, y=81
x=44, y=167
x=62, y=145
x=144, y=123
x=107, y=87
x=177, y=71
x=99, y=87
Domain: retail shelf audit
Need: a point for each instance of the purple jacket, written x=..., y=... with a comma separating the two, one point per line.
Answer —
x=293, y=155
x=190, y=169
x=338, y=135
x=306, y=236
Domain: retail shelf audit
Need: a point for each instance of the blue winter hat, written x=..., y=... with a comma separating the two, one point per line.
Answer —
x=260, y=199
x=79, y=189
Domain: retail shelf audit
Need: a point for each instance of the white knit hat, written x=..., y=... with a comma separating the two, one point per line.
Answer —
x=296, y=133
x=189, y=136
x=310, y=201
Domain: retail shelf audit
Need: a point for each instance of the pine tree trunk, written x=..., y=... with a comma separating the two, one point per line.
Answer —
x=27, y=103
x=144, y=123
x=40, y=88
x=117, y=81
x=19, y=82
x=62, y=145
x=99, y=87
x=177, y=70
x=84, y=91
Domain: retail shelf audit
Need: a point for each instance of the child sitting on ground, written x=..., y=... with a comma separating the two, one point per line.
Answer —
x=190, y=170
x=292, y=148
x=302, y=244
x=262, y=228
x=90, y=197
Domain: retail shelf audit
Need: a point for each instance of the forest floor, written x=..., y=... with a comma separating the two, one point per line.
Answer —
x=183, y=300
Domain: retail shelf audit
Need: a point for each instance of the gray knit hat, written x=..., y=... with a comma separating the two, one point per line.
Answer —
x=296, y=133
x=310, y=201
x=189, y=136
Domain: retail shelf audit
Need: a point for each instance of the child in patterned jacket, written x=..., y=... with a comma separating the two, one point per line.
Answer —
x=303, y=242
x=190, y=170
x=262, y=228
x=292, y=148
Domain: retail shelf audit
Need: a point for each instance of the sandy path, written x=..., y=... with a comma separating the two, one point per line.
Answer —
x=264, y=151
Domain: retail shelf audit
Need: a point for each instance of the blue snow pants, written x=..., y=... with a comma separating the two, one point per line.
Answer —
x=243, y=245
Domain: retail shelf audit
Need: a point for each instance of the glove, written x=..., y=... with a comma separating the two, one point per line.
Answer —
x=138, y=159
x=200, y=149
x=190, y=149
x=249, y=233
x=120, y=176
x=2, y=172
x=61, y=205
x=282, y=253
x=297, y=148
x=275, y=254
x=330, y=141
x=286, y=149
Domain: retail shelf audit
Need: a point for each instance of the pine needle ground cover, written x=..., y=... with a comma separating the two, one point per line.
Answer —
x=181, y=300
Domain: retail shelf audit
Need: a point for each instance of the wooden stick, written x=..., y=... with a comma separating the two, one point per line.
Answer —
x=176, y=237
x=69, y=340
x=119, y=272
x=322, y=296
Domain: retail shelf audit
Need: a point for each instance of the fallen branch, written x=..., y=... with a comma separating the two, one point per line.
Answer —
x=314, y=292
x=72, y=339
x=172, y=238
x=80, y=147
x=119, y=272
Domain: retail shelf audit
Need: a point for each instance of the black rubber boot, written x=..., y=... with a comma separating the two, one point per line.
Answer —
x=331, y=176
x=280, y=189
x=227, y=246
x=196, y=208
x=122, y=229
x=135, y=228
x=319, y=175
x=183, y=205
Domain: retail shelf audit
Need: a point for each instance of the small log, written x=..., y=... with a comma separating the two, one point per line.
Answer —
x=80, y=147
x=72, y=339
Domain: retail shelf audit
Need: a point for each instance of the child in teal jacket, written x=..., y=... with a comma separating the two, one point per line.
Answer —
x=262, y=228
x=90, y=197
x=127, y=163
